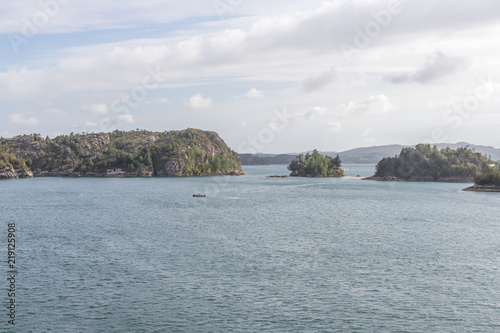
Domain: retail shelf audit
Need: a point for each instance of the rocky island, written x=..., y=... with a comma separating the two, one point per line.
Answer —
x=316, y=165
x=139, y=153
x=486, y=182
x=426, y=163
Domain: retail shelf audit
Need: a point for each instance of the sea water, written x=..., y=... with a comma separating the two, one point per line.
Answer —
x=256, y=254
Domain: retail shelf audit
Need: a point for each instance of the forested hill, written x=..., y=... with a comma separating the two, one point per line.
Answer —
x=426, y=163
x=190, y=152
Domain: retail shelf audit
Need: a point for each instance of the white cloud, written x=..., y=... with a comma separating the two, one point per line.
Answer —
x=198, y=102
x=72, y=16
x=334, y=126
x=126, y=119
x=96, y=108
x=318, y=82
x=375, y=104
x=90, y=124
x=162, y=100
x=113, y=122
x=345, y=108
x=367, y=131
x=286, y=46
x=19, y=119
x=437, y=67
x=254, y=93
x=19, y=83
x=58, y=112
x=315, y=111
x=75, y=17
x=366, y=139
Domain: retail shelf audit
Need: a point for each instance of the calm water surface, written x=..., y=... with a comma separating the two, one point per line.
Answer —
x=255, y=255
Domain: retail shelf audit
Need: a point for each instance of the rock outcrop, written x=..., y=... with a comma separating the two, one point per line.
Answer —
x=421, y=179
x=6, y=173
x=483, y=188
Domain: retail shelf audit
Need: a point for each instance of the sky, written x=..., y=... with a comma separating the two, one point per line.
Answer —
x=274, y=77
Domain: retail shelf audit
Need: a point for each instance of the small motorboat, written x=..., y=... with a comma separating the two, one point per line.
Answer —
x=199, y=195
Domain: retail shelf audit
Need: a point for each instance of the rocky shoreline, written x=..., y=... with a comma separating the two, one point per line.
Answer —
x=421, y=179
x=317, y=176
x=483, y=188
x=13, y=174
x=8, y=173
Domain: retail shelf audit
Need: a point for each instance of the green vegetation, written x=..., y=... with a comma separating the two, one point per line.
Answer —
x=9, y=161
x=490, y=177
x=188, y=152
x=316, y=165
x=430, y=163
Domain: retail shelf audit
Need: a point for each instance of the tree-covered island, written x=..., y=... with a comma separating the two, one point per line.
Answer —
x=316, y=165
x=190, y=152
x=426, y=163
x=487, y=182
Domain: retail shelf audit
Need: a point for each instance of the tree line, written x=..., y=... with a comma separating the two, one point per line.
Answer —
x=431, y=162
x=316, y=164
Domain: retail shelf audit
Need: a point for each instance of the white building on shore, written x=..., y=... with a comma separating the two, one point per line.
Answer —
x=114, y=172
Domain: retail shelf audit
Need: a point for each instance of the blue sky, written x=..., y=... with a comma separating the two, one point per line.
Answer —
x=282, y=77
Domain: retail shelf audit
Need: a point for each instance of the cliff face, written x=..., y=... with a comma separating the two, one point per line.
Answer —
x=203, y=153
x=190, y=152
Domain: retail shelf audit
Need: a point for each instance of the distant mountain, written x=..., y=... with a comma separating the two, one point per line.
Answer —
x=368, y=155
x=266, y=159
x=364, y=155
x=485, y=150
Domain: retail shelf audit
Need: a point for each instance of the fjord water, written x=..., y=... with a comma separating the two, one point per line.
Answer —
x=255, y=255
